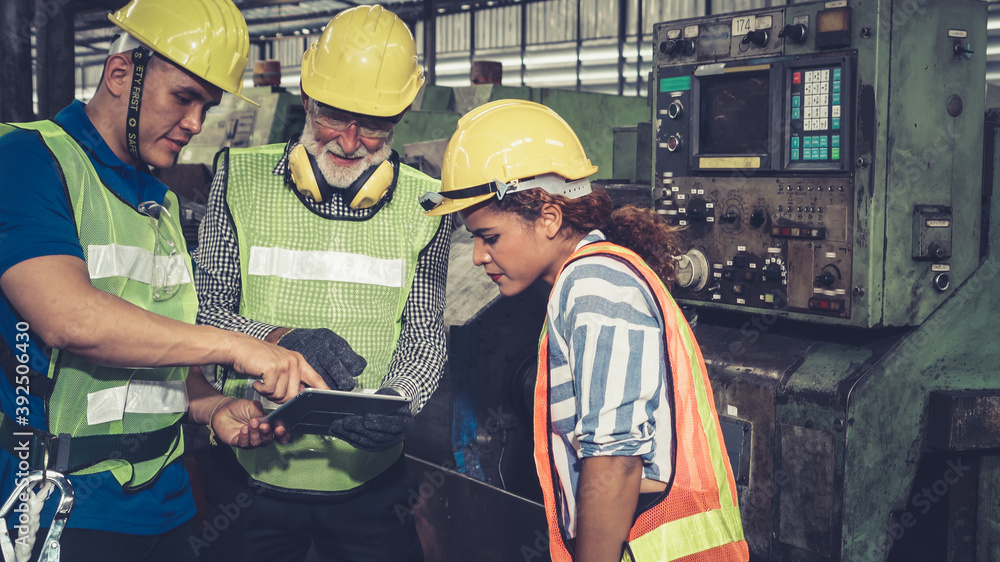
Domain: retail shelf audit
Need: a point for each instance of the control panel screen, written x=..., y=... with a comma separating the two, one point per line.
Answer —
x=734, y=109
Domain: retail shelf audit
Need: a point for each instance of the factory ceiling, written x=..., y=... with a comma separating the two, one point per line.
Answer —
x=268, y=19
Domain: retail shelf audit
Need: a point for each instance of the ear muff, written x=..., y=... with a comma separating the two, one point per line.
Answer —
x=370, y=187
x=306, y=177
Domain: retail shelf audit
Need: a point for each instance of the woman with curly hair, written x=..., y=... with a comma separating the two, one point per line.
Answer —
x=628, y=447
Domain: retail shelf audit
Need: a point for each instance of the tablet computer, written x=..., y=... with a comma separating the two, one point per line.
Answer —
x=313, y=410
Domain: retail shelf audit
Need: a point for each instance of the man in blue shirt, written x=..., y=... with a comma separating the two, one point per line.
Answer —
x=97, y=317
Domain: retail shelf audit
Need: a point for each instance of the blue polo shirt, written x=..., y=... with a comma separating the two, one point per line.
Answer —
x=36, y=220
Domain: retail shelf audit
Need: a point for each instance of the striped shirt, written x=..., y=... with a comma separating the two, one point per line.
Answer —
x=608, y=368
x=418, y=362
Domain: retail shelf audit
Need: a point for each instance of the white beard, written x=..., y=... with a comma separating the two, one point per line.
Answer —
x=342, y=176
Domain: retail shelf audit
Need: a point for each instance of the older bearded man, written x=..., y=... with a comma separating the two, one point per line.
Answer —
x=319, y=245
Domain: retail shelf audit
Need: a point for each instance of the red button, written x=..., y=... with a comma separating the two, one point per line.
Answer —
x=796, y=78
x=824, y=304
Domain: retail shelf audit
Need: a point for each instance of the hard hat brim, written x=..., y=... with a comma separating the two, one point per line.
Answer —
x=450, y=206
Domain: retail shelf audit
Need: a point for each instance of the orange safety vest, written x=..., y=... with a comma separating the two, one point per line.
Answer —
x=698, y=519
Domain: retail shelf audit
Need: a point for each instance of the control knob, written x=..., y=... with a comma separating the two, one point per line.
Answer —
x=758, y=38
x=771, y=272
x=684, y=47
x=826, y=279
x=697, y=210
x=796, y=32
x=692, y=270
x=757, y=218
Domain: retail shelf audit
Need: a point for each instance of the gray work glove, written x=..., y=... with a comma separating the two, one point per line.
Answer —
x=328, y=353
x=374, y=432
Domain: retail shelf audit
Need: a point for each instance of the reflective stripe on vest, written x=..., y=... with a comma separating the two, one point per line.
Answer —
x=88, y=399
x=299, y=269
x=702, y=477
x=136, y=397
x=325, y=266
x=138, y=264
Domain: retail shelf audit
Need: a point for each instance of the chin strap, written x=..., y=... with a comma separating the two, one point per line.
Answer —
x=140, y=57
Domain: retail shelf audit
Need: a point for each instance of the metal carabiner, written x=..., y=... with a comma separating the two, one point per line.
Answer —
x=50, y=551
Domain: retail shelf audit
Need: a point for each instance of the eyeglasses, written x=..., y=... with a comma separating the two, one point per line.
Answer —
x=340, y=121
x=168, y=271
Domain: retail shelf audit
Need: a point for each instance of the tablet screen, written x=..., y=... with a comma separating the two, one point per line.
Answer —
x=313, y=410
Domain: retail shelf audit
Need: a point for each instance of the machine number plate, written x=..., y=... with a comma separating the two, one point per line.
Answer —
x=742, y=26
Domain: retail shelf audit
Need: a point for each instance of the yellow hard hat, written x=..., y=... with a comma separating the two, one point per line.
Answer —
x=506, y=146
x=365, y=62
x=208, y=38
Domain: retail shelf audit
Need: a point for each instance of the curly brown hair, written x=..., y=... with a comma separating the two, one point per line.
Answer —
x=641, y=230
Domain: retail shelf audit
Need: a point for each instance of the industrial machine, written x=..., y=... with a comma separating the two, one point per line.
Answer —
x=826, y=162
x=829, y=166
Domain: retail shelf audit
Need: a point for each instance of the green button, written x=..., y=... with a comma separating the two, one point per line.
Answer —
x=796, y=101
x=835, y=153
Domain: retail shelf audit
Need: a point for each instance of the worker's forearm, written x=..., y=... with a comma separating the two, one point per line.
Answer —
x=56, y=298
x=202, y=398
x=119, y=334
x=606, y=499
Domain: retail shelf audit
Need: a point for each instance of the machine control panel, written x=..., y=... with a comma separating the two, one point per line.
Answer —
x=773, y=243
x=753, y=159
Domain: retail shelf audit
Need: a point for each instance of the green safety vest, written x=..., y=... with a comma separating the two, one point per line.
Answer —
x=302, y=270
x=127, y=253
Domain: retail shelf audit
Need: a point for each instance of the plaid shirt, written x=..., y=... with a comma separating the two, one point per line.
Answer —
x=419, y=359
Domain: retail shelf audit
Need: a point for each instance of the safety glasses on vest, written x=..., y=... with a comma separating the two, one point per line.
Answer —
x=168, y=269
